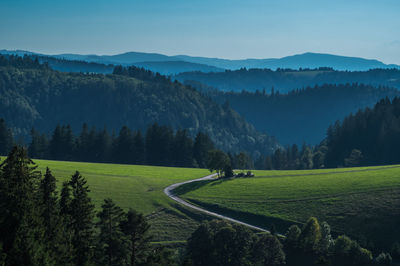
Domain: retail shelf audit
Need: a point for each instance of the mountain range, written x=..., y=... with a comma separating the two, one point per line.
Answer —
x=165, y=64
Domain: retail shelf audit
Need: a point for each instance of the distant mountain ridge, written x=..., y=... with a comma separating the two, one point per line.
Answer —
x=306, y=60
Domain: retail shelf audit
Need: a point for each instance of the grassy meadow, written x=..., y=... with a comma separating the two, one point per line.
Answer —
x=354, y=201
x=138, y=187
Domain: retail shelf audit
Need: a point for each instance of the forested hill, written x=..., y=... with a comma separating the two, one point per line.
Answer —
x=33, y=95
x=287, y=79
x=303, y=115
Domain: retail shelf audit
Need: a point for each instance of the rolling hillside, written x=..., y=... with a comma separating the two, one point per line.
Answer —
x=360, y=202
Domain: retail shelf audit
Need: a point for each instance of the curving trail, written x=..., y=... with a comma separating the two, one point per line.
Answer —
x=169, y=192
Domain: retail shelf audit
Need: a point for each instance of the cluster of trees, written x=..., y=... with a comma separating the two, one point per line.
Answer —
x=39, y=226
x=159, y=145
x=222, y=243
x=22, y=62
x=293, y=158
x=302, y=115
x=314, y=245
x=34, y=95
x=141, y=73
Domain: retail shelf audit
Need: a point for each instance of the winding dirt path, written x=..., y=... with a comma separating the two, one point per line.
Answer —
x=169, y=192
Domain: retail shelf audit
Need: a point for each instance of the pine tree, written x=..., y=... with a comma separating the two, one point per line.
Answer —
x=56, y=144
x=81, y=220
x=6, y=138
x=21, y=229
x=123, y=146
x=103, y=146
x=112, y=243
x=136, y=229
x=182, y=149
x=38, y=148
x=83, y=144
x=138, y=148
x=49, y=203
x=202, y=145
x=56, y=236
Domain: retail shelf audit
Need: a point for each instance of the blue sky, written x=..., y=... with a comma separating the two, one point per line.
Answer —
x=227, y=29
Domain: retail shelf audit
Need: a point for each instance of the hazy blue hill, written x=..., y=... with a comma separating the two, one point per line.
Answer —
x=175, y=67
x=306, y=60
x=314, y=60
x=287, y=80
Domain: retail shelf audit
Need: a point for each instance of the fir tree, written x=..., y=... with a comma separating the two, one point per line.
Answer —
x=136, y=229
x=112, y=243
x=81, y=220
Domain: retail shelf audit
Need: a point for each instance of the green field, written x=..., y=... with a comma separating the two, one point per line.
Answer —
x=356, y=201
x=138, y=187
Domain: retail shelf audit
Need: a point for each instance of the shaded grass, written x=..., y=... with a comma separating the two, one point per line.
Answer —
x=361, y=202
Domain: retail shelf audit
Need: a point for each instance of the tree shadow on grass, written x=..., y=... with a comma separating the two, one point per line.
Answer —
x=185, y=188
x=262, y=221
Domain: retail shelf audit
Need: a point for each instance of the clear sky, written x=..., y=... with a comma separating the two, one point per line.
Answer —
x=213, y=28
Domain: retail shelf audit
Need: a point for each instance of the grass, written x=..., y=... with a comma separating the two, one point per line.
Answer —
x=361, y=202
x=137, y=187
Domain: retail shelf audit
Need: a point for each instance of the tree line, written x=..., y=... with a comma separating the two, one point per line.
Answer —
x=40, y=225
x=158, y=145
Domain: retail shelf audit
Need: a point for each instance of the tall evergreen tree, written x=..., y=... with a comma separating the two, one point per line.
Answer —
x=123, y=146
x=38, y=148
x=56, y=236
x=21, y=229
x=202, y=145
x=82, y=212
x=182, y=149
x=6, y=138
x=138, y=153
x=136, y=229
x=159, y=140
x=112, y=243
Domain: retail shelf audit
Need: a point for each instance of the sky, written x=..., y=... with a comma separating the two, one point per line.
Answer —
x=213, y=28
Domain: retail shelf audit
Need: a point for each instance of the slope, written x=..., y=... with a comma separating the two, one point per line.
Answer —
x=360, y=202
